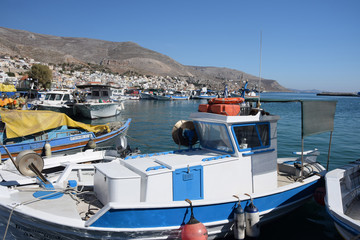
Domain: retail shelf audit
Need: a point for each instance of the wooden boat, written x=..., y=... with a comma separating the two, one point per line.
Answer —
x=147, y=196
x=343, y=199
x=31, y=130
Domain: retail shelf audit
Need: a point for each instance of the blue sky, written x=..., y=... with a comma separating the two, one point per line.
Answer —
x=306, y=44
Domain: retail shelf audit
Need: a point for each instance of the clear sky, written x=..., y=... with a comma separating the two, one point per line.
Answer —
x=306, y=44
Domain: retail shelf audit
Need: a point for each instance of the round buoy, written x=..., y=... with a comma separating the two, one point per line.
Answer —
x=252, y=219
x=90, y=144
x=183, y=133
x=319, y=195
x=25, y=158
x=121, y=143
x=193, y=230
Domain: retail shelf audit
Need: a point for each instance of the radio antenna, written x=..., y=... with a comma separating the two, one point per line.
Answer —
x=260, y=69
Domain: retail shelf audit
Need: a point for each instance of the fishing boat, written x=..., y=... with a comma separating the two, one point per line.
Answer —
x=161, y=96
x=230, y=163
x=58, y=101
x=32, y=130
x=180, y=95
x=342, y=199
x=246, y=93
x=96, y=103
x=204, y=93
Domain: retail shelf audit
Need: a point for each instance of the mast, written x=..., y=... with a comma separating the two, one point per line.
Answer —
x=260, y=69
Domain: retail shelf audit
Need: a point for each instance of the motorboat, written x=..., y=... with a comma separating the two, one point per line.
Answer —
x=227, y=162
x=95, y=102
x=342, y=199
x=204, y=93
x=180, y=95
x=58, y=101
x=33, y=130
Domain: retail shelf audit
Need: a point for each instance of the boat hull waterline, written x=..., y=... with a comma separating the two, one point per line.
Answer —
x=142, y=222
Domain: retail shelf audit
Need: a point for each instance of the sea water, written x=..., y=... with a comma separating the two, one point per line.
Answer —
x=152, y=123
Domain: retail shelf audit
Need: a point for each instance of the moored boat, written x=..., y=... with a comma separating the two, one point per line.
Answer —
x=96, y=103
x=147, y=196
x=342, y=199
x=31, y=130
x=180, y=95
x=58, y=101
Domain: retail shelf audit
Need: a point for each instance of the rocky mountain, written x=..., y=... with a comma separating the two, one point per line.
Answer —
x=120, y=57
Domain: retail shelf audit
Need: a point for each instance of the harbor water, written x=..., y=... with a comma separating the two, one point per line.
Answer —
x=152, y=123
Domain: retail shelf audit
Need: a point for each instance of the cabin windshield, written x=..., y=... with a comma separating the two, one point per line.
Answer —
x=214, y=136
x=252, y=136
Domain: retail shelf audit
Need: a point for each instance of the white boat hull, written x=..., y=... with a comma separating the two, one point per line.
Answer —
x=97, y=110
x=134, y=221
x=342, y=199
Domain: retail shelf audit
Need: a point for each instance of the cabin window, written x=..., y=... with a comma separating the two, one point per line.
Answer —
x=66, y=97
x=95, y=93
x=105, y=93
x=214, y=136
x=51, y=97
x=252, y=136
x=58, y=97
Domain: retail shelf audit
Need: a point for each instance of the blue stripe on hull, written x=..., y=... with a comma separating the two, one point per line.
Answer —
x=345, y=227
x=168, y=217
x=64, y=141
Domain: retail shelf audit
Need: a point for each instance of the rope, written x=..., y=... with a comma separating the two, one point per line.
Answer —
x=133, y=139
x=8, y=222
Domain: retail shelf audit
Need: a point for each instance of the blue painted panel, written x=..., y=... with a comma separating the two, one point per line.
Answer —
x=188, y=183
x=167, y=217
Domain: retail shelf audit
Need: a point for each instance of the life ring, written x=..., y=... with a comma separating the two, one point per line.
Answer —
x=226, y=100
x=180, y=133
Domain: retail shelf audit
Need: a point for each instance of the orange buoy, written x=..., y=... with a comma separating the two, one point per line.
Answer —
x=319, y=195
x=226, y=100
x=193, y=230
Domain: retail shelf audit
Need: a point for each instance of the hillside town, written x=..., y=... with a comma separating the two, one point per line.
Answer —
x=12, y=69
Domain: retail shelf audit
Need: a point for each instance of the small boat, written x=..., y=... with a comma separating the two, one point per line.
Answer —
x=246, y=93
x=96, y=103
x=204, y=93
x=230, y=162
x=146, y=95
x=58, y=101
x=161, y=96
x=32, y=130
x=342, y=199
x=180, y=95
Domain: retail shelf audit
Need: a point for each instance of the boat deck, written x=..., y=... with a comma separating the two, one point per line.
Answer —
x=284, y=179
x=353, y=210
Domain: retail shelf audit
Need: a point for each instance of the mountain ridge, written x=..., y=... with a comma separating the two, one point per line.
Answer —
x=120, y=57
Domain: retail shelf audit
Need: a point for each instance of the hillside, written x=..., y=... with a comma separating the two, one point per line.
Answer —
x=120, y=57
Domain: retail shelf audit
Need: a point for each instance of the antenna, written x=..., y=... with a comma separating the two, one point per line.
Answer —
x=260, y=69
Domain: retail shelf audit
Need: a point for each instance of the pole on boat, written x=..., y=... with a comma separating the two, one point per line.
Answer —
x=10, y=156
x=258, y=103
x=328, y=160
x=302, y=157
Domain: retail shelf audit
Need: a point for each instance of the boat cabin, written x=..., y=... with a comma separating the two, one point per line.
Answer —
x=57, y=97
x=237, y=154
x=95, y=92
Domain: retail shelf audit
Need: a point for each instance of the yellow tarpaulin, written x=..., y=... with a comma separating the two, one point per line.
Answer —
x=20, y=123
